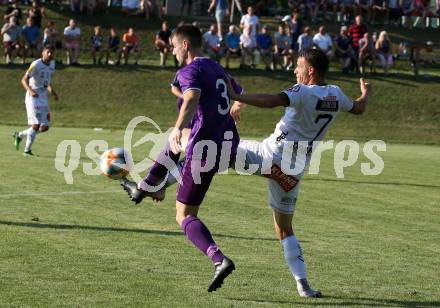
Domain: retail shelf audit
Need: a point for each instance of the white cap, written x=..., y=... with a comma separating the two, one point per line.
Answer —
x=286, y=18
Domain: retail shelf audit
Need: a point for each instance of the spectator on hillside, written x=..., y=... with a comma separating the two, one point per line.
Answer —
x=394, y=12
x=379, y=7
x=50, y=37
x=11, y=33
x=131, y=7
x=212, y=43
x=367, y=52
x=324, y=42
x=305, y=40
x=113, y=47
x=221, y=12
x=131, y=43
x=296, y=27
x=313, y=7
x=265, y=46
x=31, y=35
x=37, y=13
x=248, y=44
x=13, y=10
x=407, y=10
x=344, y=49
x=421, y=10
x=365, y=6
x=348, y=8
x=283, y=50
x=163, y=43
x=72, y=40
x=232, y=43
x=250, y=19
x=96, y=41
x=77, y=6
x=384, y=52
x=148, y=7
x=357, y=31
x=188, y=4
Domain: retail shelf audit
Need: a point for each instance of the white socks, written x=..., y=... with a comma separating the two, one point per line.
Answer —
x=294, y=257
x=31, y=134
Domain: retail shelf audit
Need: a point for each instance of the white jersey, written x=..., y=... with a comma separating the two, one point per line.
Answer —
x=311, y=111
x=40, y=75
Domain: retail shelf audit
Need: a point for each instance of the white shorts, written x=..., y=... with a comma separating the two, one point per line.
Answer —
x=37, y=109
x=282, y=193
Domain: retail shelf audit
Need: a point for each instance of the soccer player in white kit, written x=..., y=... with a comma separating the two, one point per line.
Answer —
x=37, y=82
x=310, y=108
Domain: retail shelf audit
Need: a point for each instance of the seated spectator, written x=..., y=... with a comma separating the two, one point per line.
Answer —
x=232, y=43
x=367, y=52
x=305, y=40
x=163, y=43
x=248, y=45
x=407, y=10
x=96, y=42
x=188, y=4
x=379, y=7
x=384, y=52
x=11, y=33
x=13, y=11
x=283, y=48
x=365, y=6
x=77, y=6
x=333, y=4
x=72, y=39
x=113, y=47
x=131, y=43
x=394, y=12
x=147, y=7
x=348, y=9
x=221, y=12
x=212, y=43
x=264, y=46
x=313, y=6
x=37, y=13
x=344, y=49
x=31, y=34
x=51, y=38
x=296, y=28
x=324, y=42
x=131, y=7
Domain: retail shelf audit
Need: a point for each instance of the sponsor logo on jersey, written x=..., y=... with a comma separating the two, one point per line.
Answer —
x=295, y=88
x=328, y=103
x=287, y=182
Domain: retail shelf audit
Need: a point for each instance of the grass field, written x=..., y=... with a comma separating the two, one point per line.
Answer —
x=368, y=241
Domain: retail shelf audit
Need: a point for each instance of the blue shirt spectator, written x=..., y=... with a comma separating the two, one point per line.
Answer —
x=264, y=41
x=30, y=32
x=232, y=40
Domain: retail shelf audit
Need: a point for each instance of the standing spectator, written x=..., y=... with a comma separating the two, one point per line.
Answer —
x=324, y=42
x=232, y=44
x=31, y=34
x=248, y=45
x=407, y=10
x=11, y=33
x=313, y=6
x=250, y=19
x=50, y=37
x=131, y=43
x=13, y=10
x=379, y=6
x=394, y=12
x=221, y=12
x=296, y=27
x=421, y=10
x=163, y=44
x=264, y=46
x=365, y=6
x=77, y=6
x=188, y=4
x=348, y=8
x=72, y=39
x=212, y=43
x=113, y=47
x=283, y=49
x=384, y=52
x=37, y=13
x=344, y=49
x=357, y=31
x=96, y=42
x=305, y=40
x=131, y=7
x=367, y=52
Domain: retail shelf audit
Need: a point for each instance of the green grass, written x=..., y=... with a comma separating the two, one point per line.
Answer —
x=368, y=240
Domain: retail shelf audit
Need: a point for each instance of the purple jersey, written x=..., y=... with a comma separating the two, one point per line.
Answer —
x=212, y=118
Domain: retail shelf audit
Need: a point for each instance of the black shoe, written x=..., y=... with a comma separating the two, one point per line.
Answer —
x=28, y=153
x=136, y=195
x=221, y=271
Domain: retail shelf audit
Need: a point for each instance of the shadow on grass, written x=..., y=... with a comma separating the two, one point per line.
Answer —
x=113, y=229
x=377, y=183
x=342, y=302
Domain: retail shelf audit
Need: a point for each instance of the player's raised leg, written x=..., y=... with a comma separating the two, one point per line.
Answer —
x=293, y=253
x=200, y=236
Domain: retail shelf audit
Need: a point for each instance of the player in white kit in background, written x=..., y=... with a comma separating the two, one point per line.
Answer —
x=37, y=82
x=310, y=107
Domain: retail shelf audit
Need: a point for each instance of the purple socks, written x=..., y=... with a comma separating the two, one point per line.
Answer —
x=200, y=236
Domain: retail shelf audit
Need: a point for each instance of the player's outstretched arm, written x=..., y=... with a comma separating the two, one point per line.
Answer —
x=360, y=104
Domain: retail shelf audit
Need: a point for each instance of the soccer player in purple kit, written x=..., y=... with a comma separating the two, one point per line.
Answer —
x=205, y=108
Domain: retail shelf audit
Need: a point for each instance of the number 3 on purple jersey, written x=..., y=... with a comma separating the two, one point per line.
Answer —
x=224, y=94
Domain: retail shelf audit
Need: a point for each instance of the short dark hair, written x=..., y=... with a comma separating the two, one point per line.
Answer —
x=317, y=59
x=50, y=47
x=190, y=33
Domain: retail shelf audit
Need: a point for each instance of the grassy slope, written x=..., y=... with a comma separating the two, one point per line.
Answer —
x=404, y=108
x=372, y=242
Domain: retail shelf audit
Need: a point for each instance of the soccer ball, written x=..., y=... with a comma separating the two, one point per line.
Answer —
x=115, y=163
